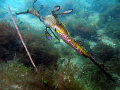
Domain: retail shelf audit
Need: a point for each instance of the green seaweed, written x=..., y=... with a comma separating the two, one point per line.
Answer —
x=15, y=75
x=110, y=16
x=105, y=52
x=42, y=51
x=95, y=79
x=113, y=30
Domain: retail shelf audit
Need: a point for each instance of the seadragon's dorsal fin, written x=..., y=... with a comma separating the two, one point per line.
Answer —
x=62, y=24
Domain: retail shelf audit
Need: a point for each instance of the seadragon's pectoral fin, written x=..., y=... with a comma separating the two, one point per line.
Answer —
x=48, y=36
x=54, y=34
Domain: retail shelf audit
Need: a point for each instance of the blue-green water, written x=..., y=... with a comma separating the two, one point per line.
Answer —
x=93, y=24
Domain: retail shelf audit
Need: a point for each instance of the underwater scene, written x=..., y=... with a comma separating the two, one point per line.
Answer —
x=59, y=44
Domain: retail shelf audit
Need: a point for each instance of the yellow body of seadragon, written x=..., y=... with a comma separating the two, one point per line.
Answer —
x=59, y=27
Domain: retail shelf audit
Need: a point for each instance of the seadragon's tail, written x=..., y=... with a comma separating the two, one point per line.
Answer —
x=83, y=52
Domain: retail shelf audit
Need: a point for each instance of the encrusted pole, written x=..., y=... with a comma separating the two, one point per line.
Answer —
x=22, y=41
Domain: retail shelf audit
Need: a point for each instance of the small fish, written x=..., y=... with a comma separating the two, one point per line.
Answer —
x=68, y=11
x=48, y=36
x=56, y=8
